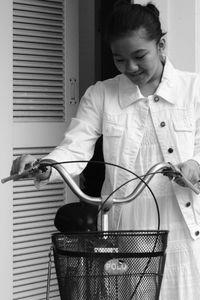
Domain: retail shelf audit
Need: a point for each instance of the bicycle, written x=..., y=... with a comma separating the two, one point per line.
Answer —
x=108, y=265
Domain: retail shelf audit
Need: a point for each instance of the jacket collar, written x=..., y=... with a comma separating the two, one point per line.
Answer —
x=129, y=93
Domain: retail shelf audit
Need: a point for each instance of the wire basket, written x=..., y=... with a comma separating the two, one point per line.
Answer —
x=110, y=265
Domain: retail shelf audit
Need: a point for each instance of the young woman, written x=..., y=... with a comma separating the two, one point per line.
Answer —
x=147, y=114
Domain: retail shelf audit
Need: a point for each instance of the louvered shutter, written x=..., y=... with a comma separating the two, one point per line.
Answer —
x=33, y=214
x=38, y=60
x=38, y=96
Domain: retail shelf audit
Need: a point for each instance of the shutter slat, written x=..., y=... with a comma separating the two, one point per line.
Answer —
x=36, y=294
x=24, y=70
x=42, y=77
x=40, y=46
x=27, y=191
x=25, y=226
x=37, y=83
x=43, y=212
x=37, y=58
x=32, y=219
x=32, y=234
x=45, y=22
x=30, y=191
x=24, y=183
x=41, y=101
x=38, y=40
x=38, y=96
x=36, y=151
x=30, y=291
x=37, y=52
x=37, y=27
x=38, y=114
x=34, y=282
x=30, y=256
x=47, y=9
x=38, y=64
x=34, y=89
x=51, y=3
x=27, y=249
x=37, y=205
x=33, y=237
x=39, y=15
x=31, y=244
x=33, y=33
x=40, y=118
x=32, y=274
x=31, y=262
x=30, y=268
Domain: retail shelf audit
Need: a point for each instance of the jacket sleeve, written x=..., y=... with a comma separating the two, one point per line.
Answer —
x=80, y=137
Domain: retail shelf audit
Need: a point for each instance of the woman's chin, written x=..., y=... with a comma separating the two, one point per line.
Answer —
x=137, y=78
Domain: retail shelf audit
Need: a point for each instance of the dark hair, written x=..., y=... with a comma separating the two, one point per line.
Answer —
x=127, y=17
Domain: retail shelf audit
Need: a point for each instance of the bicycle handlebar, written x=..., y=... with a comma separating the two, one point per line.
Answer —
x=166, y=168
x=98, y=200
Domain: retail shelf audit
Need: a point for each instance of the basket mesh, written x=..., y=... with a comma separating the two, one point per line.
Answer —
x=121, y=265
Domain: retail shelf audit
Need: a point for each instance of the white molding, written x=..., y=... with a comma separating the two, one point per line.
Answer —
x=6, y=149
x=197, y=36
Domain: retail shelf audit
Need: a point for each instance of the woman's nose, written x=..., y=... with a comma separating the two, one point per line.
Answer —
x=131, y=66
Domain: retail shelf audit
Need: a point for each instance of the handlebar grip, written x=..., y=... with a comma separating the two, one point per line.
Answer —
x=176, y=174
x=189, y=184
x=26, y=173
x=14, y=177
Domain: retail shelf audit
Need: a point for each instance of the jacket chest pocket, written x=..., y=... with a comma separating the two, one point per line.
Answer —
x=184, y=133
x=182, y=126
x=112, y=137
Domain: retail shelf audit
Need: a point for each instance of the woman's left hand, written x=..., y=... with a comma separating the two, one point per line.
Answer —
x=191, y=170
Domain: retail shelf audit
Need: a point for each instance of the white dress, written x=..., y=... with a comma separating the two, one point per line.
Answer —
x=182, y=275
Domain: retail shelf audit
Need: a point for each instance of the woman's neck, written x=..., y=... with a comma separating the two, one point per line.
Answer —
x=151, y=87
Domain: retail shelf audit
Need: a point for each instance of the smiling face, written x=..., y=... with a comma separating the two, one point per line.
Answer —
x=138, y=58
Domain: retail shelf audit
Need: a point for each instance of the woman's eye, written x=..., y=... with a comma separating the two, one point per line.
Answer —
x=119, y=61
x=141, y=56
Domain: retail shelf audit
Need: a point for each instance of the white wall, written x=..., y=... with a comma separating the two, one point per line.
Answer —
x=6, y=149
x=86, y=44
x=181, y=37
x=181, y=20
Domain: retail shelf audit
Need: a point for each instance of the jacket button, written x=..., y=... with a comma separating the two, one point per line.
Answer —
x=170, y=150
x=188, y=204
x=197, y=233
x=156, y=99
x=162, y=124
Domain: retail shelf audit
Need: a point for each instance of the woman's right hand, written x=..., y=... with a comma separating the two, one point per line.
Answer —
x=24, y=163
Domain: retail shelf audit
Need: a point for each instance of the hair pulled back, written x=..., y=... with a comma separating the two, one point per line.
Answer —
x=127, y=17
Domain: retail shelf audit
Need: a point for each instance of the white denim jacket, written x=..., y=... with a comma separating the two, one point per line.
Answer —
x=113, y=108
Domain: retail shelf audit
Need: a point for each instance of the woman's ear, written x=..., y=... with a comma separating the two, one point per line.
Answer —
x=161, y=45
x=161, y=49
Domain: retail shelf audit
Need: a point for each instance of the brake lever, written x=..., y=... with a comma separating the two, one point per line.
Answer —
x=173, y=173
x=29, y=172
